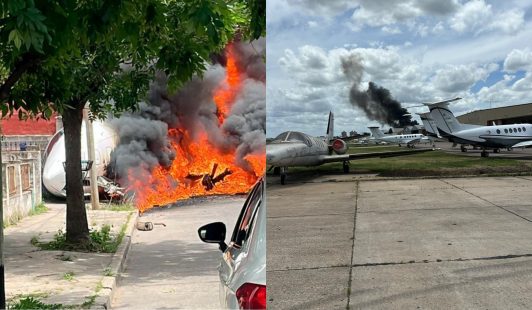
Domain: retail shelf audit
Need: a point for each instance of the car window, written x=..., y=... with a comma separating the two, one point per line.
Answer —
x=245, y=222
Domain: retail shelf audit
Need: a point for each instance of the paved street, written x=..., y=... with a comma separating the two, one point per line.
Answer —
x=169, y=267
x=461, y=243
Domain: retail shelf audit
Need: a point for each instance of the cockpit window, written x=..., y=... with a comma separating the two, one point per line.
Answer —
x=281, y=137
x=292, y=136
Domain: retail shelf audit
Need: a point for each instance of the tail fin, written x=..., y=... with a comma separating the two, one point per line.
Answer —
x=330, y=128
x=376, y=132
x=444, y=118
x=430, y=124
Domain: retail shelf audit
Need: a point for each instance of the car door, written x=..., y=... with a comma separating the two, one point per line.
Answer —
x=238, y=246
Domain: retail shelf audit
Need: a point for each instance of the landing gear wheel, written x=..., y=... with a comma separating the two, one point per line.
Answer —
x=276, y=170
x=463, y=149
x=399, y=144
x=283, y=174
x=484, y=154
x=345, y=166
x=496, y=150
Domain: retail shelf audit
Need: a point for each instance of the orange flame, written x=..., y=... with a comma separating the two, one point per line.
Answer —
x=226, y=93
x=198, y=161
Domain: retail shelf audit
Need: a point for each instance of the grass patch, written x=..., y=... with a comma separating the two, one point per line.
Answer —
x=120, y=207
x=108, y=272
x=31, y=302
x=89, y=301
x=69, y=276
x=39, y=209
x=100, y=240
x=434, y=163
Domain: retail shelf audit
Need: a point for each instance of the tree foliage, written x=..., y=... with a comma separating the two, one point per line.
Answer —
x=61, y=51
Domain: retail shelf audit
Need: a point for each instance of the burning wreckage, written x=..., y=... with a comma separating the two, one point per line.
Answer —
x=206, y=139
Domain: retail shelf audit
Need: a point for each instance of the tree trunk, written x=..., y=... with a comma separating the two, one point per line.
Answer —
x=77, y=229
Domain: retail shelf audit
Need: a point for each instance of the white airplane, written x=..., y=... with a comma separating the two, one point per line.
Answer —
x=293, y=148
x=430, y=126
x=408, y=139
x=487, y=137
x=53, y=174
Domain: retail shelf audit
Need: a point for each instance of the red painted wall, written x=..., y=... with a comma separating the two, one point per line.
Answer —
x=15, y=127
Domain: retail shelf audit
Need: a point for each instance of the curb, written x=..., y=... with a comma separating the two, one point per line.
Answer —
x=105, y=295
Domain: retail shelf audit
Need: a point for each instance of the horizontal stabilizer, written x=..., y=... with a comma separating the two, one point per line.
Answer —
x=442, y=102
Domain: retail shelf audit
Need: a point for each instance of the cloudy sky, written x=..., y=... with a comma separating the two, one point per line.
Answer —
x=420, y=50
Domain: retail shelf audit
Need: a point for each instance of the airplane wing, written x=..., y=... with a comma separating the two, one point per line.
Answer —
x=413, y=141
x=523, y=144
x=338, y=158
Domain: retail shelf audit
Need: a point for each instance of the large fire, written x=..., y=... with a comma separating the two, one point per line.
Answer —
x=199, y=167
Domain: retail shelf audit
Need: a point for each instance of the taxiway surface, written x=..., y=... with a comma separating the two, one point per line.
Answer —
x=456, y=243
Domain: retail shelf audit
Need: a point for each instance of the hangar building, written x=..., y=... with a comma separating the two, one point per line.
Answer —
x=521, y=113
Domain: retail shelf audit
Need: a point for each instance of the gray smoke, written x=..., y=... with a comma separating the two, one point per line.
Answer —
x=144, y=141
x=376, y=102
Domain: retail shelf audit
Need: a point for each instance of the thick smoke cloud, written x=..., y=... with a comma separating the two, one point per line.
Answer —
x=144, y=140
x=376, y=102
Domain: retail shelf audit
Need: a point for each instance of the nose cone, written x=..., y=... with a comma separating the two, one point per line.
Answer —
x=53, y=177
x=274, y=154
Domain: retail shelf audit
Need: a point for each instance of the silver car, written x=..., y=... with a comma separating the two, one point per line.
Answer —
x=242, y=268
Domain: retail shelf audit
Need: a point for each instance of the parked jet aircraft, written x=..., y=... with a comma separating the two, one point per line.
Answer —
x=409, y=139
x=486, y=137
x=429, y=124
x=292, y=148
x=53, y=174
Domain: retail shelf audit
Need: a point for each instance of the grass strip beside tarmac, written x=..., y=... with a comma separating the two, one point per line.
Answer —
x=436, y=163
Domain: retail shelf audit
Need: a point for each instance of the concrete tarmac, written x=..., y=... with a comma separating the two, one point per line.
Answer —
x=457, y=243
x=170, y=267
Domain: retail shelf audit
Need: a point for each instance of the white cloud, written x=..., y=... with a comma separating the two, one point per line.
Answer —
x=374, y=16
x=391, y=30
x=477, y=17
x=524, y=84
x=460, y=78
x=472, y=15
x=518, y=60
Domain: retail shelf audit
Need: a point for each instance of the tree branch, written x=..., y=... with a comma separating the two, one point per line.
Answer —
x=25, y=63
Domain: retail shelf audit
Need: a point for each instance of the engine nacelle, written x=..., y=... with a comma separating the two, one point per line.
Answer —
x=339, y=146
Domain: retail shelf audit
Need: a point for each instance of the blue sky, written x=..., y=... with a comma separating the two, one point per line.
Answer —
x=420, y=50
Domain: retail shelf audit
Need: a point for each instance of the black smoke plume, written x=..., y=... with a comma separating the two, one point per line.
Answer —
x=376, y=102
x=144, y=140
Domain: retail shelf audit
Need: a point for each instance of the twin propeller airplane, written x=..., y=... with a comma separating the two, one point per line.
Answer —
x=492, y=137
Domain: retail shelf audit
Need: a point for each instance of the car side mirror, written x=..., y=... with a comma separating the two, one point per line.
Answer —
x=213, y=233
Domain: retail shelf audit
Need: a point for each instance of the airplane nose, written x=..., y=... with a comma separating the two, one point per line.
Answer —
x=270, y=158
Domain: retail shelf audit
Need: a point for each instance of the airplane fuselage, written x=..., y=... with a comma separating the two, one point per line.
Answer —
x=296, y=153
x=403, y=139
x=499, y=136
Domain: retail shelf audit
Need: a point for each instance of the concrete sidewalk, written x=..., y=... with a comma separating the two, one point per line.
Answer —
x=45, y=274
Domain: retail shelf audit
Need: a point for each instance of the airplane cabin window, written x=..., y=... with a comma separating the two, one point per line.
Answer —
x=524, y=129
x=505, y=130
x=498, y=131
x=518, y=129
x=510, y=130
